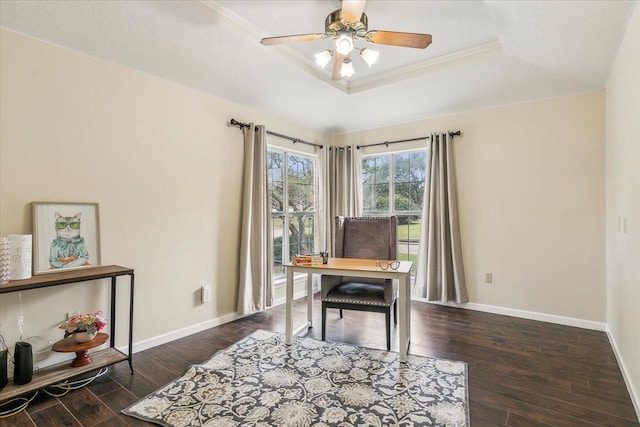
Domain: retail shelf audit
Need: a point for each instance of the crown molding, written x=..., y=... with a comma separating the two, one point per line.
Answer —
x=440, y=63
x=254, y=34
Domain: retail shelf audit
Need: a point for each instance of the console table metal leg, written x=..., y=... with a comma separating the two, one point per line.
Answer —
x=112, y=319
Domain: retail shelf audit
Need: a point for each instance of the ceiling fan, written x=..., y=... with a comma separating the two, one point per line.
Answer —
x=344, y=26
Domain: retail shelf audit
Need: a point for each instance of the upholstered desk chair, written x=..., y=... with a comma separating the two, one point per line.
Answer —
x=366, y=237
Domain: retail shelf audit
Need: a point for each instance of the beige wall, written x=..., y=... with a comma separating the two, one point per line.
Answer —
x=531, y=198
x=166, y=170
x=158, y=157
x=623, y=202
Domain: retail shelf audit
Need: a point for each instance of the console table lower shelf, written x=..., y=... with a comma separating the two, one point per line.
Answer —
x=62, y=371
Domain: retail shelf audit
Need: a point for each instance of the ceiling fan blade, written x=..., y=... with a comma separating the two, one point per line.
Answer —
x=395, y=38
x=352, y=10
x=337, y=65
x=270, y=41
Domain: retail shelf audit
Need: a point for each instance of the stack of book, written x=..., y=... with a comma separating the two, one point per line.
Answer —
x=313, y=260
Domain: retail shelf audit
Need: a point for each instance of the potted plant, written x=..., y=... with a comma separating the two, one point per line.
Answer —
x=84, y=327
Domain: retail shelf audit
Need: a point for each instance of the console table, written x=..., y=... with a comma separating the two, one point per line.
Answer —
x=359, y=268
x=109, y=356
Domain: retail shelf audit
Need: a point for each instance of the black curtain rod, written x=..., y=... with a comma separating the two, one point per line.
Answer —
x=387, y=143
x=234, y=122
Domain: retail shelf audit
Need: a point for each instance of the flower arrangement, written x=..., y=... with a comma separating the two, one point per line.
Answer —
x=91, y=323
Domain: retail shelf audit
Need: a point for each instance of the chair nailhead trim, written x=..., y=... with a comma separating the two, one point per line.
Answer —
x=351, y=301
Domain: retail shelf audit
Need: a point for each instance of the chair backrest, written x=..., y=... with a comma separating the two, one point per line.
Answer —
x=366, y=237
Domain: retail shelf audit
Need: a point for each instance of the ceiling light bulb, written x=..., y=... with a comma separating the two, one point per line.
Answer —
x=347, y=68
x=323, y=58
x=369, y=56
x=344, y=44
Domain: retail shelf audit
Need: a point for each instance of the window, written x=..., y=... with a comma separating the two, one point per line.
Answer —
x=393, y=184
x=293, y=191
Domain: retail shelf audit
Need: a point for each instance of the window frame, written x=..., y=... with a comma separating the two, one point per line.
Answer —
x=392, y=211
x=286, y=215
x=392, y=202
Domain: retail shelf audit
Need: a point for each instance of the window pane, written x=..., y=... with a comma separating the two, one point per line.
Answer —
x=301, y=183
x=409, y=238
x=402, y=165
x=382, y=197
x=278, y=254
x=401, y=197
x=375, y=183
x=301, y=234
x=416, y=194
x=382, y=169
x=276, y=180
x=409, y=176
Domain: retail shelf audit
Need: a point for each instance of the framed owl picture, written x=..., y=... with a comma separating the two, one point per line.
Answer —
x=66, y=236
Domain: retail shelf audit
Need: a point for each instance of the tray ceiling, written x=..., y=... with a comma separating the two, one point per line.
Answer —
x=484, y=53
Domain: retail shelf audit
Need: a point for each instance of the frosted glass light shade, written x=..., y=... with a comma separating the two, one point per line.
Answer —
x=347, y=68
x=344, y=44
x=369, y=56
x=323, y=58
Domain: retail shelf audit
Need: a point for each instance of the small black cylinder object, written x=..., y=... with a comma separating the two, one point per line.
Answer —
x=23, y=363
x=4, y=379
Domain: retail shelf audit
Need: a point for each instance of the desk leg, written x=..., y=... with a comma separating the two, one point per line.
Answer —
x=131, y=283
x=289, y=307
x=405, y=316
x=310, y=299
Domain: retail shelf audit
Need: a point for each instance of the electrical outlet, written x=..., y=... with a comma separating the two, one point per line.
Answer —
x=488, y=278
x=205, y=293
x=70, y=314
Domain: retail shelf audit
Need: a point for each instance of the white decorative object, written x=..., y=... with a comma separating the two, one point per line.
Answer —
x=19, y=256
x=4, y=260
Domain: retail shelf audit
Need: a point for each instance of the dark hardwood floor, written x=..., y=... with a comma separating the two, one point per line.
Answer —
x=522, y=373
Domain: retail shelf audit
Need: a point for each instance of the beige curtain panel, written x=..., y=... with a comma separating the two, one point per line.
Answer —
x=440, y=272
x=340, y=188
x=255, y=289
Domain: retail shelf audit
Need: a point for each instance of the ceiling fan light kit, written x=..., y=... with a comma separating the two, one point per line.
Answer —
x=347, y=68
x=345, y=26
x=369, y=56
x=323, y=58
x=344, y=44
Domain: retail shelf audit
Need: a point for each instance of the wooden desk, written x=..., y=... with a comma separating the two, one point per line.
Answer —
x=359, y=268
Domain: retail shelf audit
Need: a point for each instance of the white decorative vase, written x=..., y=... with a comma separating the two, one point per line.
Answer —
x=81, y=337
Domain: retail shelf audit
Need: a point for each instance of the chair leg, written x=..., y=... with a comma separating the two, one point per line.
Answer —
x=341, y=313
x=324, y=320
x=395, y=311
x=387, y=321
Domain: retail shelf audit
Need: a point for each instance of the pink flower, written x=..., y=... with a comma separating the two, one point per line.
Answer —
x=91, y=322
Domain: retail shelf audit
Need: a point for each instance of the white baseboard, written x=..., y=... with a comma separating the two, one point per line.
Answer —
x=198, y=327
x=181, y=333
x=633, y=393
x=531, y=315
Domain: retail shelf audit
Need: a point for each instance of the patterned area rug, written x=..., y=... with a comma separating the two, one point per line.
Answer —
x=260, y=381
